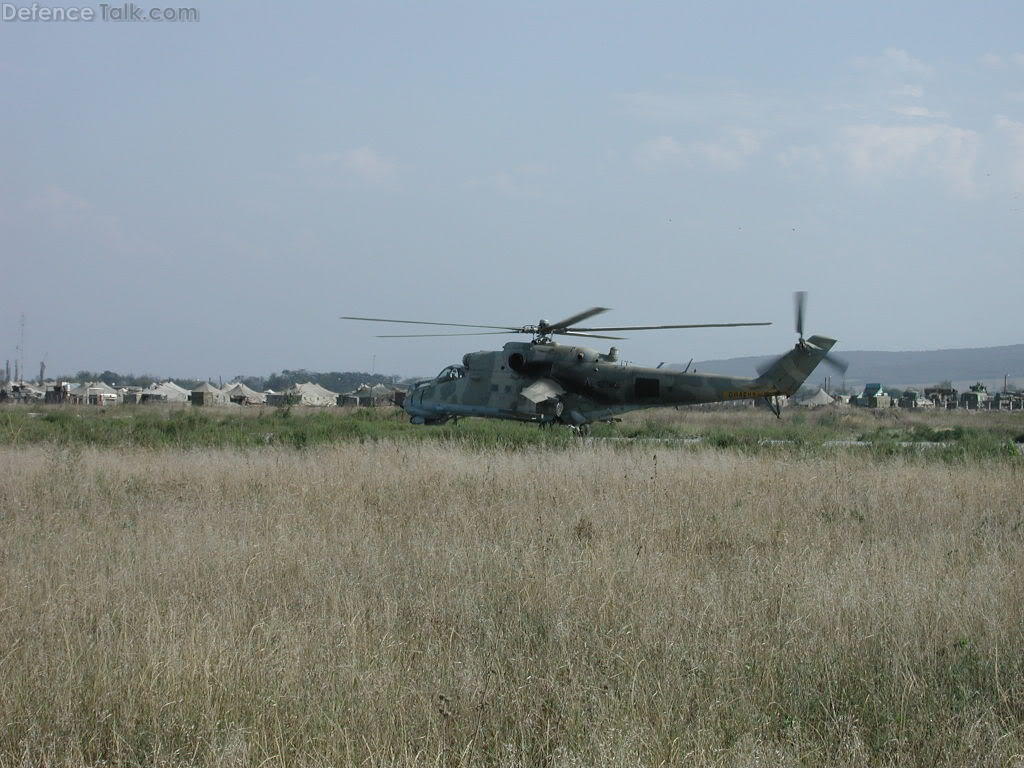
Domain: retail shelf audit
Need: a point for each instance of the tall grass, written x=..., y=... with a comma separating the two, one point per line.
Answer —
x=418, y=603
x=969, y=435
x=188, y=427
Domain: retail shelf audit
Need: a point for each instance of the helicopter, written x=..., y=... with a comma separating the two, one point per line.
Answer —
x=548, y=383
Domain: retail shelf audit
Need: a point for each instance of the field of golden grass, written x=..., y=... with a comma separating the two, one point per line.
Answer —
x=423, y=603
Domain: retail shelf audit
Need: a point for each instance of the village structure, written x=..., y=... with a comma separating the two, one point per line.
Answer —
x=310, y=394
x=877, y=396
x=205, y=394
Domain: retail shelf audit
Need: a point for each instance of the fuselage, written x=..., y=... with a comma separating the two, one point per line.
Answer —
x=547, y=382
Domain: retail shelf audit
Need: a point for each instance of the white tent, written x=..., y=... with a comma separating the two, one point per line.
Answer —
x=207, y=394
x=165, y=392
x=239, y=393
x=365, y=394
x=93, y=393
x=313, y=394
x=179, y=390
x=303, y=394
x=96, y=386
x=818, y=399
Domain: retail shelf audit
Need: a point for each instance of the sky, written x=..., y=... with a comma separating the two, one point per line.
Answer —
x=206, y=199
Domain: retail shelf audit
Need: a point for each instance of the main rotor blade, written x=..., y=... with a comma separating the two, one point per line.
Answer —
x=836, y=362
x=764, y=367
x=800, y=302
x=577, y=318
x=588, y=335
x=659, y=327
x=422, y=335
x=425, y=322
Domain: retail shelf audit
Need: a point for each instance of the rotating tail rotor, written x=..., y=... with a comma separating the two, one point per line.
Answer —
x=800, y=312
x=799, y=305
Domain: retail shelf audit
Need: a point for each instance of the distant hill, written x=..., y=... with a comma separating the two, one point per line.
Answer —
x=902, y=369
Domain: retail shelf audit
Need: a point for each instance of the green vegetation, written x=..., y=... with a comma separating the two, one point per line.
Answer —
x=115, y=379
x=336, y=381
x=948, y=436
x=188, y=427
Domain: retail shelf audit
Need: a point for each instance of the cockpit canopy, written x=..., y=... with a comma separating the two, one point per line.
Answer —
x=451, y=373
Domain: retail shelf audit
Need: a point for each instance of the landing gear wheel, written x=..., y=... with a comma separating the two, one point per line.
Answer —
x=583, y=430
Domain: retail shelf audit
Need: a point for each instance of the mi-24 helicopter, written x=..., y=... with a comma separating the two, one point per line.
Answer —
x=549, y=383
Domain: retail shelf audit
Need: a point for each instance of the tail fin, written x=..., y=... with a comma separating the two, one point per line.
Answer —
x=792, y=369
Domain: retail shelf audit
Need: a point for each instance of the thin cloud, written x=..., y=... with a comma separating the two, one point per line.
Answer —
x=802, y=156
x=908, y=92
x=520, y=182
x=875, y=151
x=659, y=151
x=729, y=152
x=699, y=107
x=369, y=165
x=1014, y=132
x=61, y=210
x=915, y=111
x=361, y=163
x=894, y=61
x=1001, y=61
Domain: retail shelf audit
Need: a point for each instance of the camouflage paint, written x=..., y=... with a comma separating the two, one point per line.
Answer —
x=549, y=382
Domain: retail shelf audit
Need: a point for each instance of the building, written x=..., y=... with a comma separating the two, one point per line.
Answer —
x=911, y=398
x=874, y=396
x=942, y=397
x=975, y=398
x=58, y=393
x=93, y=393
x=1008, y=401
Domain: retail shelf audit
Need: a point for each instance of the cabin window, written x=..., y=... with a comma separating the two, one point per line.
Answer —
x=648, y=387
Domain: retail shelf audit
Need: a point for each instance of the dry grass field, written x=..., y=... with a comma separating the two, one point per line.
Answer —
x=398, y=603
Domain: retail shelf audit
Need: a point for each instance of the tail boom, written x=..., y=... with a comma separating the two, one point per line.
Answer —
x=790, y=371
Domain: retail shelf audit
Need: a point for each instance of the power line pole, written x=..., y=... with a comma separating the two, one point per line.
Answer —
x=21, y=349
